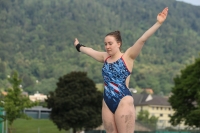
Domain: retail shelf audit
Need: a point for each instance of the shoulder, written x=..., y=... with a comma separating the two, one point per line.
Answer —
x=105, y=55
x=126, y=55
x=128, y=61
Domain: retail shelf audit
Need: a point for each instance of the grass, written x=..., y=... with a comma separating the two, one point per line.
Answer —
x=100, y=86
x=36, y=126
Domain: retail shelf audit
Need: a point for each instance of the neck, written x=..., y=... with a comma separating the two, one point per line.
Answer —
x=116, y=55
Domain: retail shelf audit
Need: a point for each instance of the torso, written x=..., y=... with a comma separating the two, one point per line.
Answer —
x=129, y=63
x=115, y=75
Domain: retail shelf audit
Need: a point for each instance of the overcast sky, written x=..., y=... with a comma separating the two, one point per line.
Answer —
x=193, y=2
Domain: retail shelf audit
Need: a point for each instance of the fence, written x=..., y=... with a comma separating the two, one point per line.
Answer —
x=157, y=131
x=38, y=112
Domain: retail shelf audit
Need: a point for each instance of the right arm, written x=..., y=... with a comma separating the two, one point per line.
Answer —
x=99, y=56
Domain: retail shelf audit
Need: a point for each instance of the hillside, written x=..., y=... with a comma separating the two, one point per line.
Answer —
x=36, y=39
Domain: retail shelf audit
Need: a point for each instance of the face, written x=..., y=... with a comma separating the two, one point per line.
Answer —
x=111, y=45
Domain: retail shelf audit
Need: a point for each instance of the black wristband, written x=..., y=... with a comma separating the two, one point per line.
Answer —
x=78, y=47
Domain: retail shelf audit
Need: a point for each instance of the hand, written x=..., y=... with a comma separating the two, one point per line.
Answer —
x=76, y=42
x=162, y=15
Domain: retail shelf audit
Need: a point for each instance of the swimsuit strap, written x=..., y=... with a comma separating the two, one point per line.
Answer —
x=107, y=58
x=110, y=56
x=125, y=64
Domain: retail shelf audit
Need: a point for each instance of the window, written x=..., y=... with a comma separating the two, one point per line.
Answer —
x=161, y=115
x=169, y=115
x=160, y=121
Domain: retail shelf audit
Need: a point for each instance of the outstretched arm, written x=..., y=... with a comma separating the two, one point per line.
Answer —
x=133, y=51
x=99, y=56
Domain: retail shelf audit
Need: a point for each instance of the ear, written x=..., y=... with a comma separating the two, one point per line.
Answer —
x=119, y=44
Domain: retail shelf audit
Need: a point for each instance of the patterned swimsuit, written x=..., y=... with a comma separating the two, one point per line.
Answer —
x=114, y=75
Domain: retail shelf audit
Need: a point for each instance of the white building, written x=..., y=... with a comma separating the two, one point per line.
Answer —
x=37, y=97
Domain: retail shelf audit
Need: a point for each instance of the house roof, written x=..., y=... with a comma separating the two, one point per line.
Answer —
x=148, y=99
x=4, y=93
x=37, y=108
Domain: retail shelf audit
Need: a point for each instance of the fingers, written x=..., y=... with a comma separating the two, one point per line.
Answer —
x=162, y=15
x=76, y=41
x=165, y=11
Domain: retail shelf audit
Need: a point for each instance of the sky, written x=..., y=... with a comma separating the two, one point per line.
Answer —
x=193, y=2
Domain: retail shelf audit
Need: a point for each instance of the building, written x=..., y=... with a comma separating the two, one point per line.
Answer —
x=4, y=93
x=38, y=112
x=148, y=90
x=157, y=106
x=37, y=97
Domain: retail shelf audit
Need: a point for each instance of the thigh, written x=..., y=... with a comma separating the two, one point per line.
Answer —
x=108, y=119
x=125, y=115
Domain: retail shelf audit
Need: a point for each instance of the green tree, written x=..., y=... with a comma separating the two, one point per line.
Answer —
x=185, y=99
x=14, y=102
x=76, y=103
x=145, y=118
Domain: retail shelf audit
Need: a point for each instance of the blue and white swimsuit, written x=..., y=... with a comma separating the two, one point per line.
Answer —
x=114, y=75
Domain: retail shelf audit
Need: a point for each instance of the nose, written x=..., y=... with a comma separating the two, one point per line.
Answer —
x=107, y=46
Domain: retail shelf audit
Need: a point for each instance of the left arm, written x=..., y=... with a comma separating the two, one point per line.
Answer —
x=134, y=51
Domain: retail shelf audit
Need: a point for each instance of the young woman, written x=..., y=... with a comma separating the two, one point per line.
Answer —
x=118, y=113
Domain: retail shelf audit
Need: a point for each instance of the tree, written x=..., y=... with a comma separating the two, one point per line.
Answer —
x=76, y=103
x=185, y=98
x=14, y=102
x=144, y=117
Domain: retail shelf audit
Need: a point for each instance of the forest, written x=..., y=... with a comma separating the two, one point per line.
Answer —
x=36, y=39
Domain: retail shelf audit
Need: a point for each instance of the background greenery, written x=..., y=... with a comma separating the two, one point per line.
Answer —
x=36, y=126
x=186, y=96
x=75, y=103
x=36, y=39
